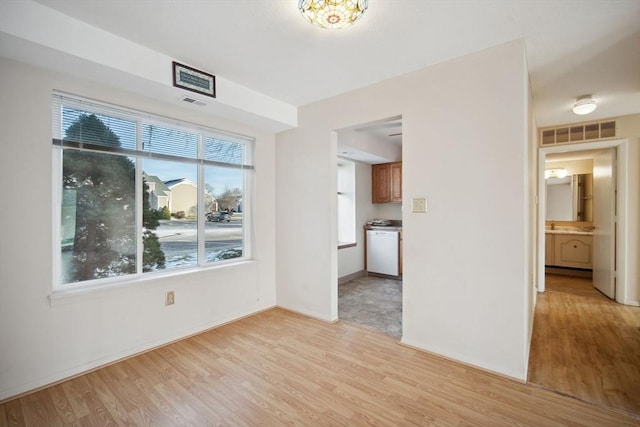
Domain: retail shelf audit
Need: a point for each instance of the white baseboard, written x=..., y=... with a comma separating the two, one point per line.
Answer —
x=352, y=276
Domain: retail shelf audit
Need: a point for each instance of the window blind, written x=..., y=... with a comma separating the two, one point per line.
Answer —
x=90, y=126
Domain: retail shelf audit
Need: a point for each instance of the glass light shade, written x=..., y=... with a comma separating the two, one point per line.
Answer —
x=584, y=105
x=333, y=14
x=555, y=173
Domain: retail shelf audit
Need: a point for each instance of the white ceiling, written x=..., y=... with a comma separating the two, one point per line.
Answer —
x=574, y=47
x=573, y=155
x=376, y=142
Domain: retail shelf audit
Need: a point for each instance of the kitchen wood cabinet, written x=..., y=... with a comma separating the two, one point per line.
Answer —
x=380, y=178
x=569, y=250
x=396, y=182
x=386, y=180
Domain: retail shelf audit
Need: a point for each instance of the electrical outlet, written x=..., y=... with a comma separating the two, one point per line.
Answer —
x=169, y=298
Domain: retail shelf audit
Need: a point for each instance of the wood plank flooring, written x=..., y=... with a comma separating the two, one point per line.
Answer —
x=279, y=368
x=586, y=345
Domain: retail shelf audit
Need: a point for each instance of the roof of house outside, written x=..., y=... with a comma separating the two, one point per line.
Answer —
x=173, y=182
x=160, y=186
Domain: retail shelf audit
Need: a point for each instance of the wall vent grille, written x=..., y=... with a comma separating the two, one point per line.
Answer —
x=193, y=101
x=578, y=133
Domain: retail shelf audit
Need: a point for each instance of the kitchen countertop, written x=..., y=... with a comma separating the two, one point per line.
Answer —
x=387, y=225
x=383, y=227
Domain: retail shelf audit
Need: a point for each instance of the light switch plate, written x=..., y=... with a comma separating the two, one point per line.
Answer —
x=419, y=205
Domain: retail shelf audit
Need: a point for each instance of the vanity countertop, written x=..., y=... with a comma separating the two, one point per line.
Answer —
x=576, y=232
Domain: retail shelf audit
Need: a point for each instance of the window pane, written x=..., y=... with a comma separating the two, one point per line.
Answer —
x=161, y=140
x=223, y=151
x=346, y=201
x=98, y=216
x=89, y=128
x=224, y=213
x=172, y=197
x=129, y=193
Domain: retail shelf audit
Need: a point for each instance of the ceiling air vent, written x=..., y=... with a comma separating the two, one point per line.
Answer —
x=578, y=133
x=193, y=101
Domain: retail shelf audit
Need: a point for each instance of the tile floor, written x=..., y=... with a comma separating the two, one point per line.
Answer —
x=373, y=302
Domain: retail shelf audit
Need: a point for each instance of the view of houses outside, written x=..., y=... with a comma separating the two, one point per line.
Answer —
x=98, y=235
x=178, y=235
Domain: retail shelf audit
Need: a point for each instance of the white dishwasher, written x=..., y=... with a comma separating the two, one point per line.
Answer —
x=383, y=251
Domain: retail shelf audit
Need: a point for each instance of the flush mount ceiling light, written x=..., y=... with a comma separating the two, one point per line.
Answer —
x=555, y=173
x=332, y=14
x=585, y=104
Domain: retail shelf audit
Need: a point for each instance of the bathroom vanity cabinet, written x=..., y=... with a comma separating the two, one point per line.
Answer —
x=569, y=250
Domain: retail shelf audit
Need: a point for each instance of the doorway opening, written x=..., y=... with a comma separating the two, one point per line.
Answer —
x=580, y=216
x=372, y=301
x=610, y=234
x=576, y=346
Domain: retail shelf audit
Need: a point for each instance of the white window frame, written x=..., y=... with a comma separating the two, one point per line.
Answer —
x=346, y=182
x=92, y=106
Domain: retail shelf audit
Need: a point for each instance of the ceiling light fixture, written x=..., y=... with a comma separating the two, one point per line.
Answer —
x=332, y=14
x=585, y=104
x=555, y=173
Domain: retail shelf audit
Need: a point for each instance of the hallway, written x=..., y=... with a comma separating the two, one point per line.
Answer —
x=585, y=345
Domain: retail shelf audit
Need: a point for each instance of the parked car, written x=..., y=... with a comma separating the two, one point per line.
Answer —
x=218, y=216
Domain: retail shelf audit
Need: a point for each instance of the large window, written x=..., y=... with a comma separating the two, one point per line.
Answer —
x=140, y=195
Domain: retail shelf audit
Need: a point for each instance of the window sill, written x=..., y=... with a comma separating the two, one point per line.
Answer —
x=67, y=296
x=344, y=245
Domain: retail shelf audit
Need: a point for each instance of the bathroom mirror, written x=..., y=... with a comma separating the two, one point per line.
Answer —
x=570, y=198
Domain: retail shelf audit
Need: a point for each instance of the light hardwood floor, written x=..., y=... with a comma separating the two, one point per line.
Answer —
x=586, y=345
x=278, y=368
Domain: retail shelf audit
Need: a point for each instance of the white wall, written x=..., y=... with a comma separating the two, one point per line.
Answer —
x=532, y=221
x=306, y=220
x=466, y=266
x=351, y=260
x=387, y=211
x=41, y=343
x=36, y=34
